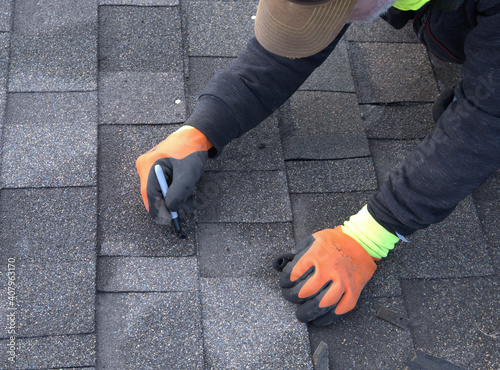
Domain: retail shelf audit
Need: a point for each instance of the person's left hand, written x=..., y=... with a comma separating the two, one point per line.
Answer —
x=325, y=275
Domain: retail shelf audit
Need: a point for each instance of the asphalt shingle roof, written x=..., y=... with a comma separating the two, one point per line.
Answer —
x=87, y=86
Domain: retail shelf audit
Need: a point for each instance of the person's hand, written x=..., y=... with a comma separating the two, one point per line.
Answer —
x=327, y=271
x=326, y=275
x=182, y=157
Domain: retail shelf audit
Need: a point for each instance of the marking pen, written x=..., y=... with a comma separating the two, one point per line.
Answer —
x=160, y=176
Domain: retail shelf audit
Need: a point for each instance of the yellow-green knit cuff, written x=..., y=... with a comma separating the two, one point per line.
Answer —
x=372, y=236
x=406, y=5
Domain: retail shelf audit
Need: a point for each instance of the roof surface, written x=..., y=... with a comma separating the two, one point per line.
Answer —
x=87, y=86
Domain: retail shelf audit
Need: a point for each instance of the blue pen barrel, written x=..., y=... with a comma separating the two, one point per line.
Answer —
x=160, y=176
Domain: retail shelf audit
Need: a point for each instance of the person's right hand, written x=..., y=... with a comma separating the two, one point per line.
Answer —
x=182, y=157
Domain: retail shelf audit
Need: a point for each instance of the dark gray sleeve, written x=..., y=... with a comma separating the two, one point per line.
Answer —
x=461, y=152
x=256, y=84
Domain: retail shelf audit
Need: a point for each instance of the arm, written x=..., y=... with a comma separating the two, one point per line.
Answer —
x=253, y=87
x=234, y=101
x=464, y=148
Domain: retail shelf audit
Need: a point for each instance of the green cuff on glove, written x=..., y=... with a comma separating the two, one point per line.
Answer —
x=373, y=237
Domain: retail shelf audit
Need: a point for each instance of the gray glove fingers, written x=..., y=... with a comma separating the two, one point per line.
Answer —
x=310, y=310
x=281, y=260
x=291, y=293
x=157, y=208
x=185, y=175
x=328, y=318
x=300, y=249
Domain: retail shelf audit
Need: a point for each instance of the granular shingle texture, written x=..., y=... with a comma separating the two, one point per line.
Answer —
x=334, y=74
x=32, y=17
x=314, y=212
x=380, y=30
x=316, y=113
x=245, y=321
x=255, y=196
x=140, y=2
x=149, y=330
x=388, y=155
x=456, y=319
x=4, y=59
x=326, y=146
x=136, y=38
x=257, y=150
x=58, y=137
x=61, y=60
x=141, y=97
x=87, y=86
x=139, y=274
x=58, y=225
x=51, y=352
x=363, y=341
x=382, y=76
x=53, y=298
x=125, y=228
x=331, y=176
x=397, y=121
x=238, y=250
x=5, y=15
x=455, y=247
x=219, y=28
x=488, y=198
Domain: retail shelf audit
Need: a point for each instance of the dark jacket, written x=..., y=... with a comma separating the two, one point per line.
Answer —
x=451, y=162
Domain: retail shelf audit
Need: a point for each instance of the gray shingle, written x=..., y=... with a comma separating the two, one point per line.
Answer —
x=34, y=17
x=331, y=176
x=363, y=341
x=140, y=39
x=58, y=225
x=382, y=73
x=257, y=150
x=58, y=140
x=456, y=247
x=246, y=321
x=136, y=274
x=149, y=330
x=334, y=74
x=451, y=319
x=397, y=121
x=141, y=97
x=338, y=146
x=314, y=212
x=255, y=196
x=52, y=298
x=238, y=250
x=125, y=228
x=388, y=154
x=3, y=104
x=487, y=198
x=447, y=74
x=201, y=70
x=381, y=31
x=38, y=109
x=219, y=28
x=51, y=352
x=60, y=60
x=4, y=59
x=321, y=113
x=140, y=2
x=386, y=281
x=5, y=15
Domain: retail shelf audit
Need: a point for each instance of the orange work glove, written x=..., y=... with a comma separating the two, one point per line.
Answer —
x=182, y=157
x=325, y=275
